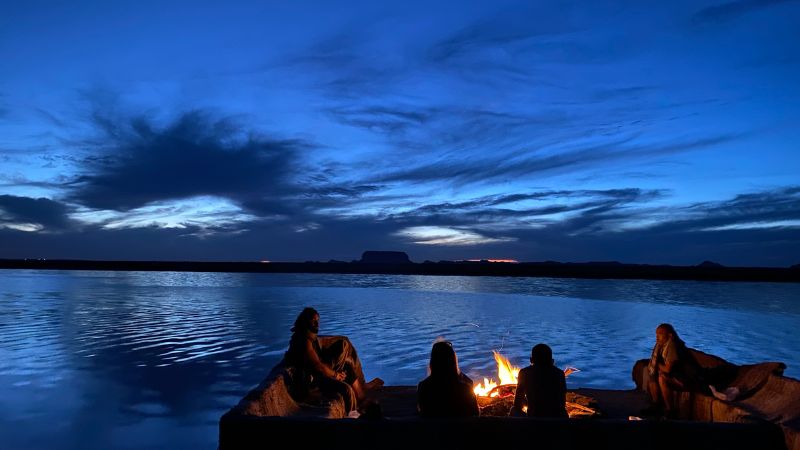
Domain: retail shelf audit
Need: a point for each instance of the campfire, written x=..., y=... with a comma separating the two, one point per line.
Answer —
x=496, y=397
x=506, y=373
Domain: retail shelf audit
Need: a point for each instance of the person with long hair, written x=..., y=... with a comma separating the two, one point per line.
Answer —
x=542, y=386
x=446, y=392
x=334, y=369
x=672, y=368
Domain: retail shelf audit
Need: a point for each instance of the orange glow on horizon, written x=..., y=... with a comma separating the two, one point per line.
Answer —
x=510, y=261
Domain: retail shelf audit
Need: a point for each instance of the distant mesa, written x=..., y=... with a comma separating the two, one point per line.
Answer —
x=380, y=257
x=710, y=264
x=795, y=267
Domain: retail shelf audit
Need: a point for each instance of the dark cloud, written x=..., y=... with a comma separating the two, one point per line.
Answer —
x=382, y=119
x=50, y=214
x=732, y=10
x=194, y=155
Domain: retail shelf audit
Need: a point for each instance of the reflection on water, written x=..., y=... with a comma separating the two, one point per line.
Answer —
x=152, y=359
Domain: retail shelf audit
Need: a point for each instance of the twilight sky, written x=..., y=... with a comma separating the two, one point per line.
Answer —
x=650, y=132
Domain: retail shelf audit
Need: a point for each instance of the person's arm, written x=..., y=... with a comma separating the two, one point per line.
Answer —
x=520, y=399
x=312, y=360
x=670, y=358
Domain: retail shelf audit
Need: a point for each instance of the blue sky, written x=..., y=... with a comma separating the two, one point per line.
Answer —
x=570, y=131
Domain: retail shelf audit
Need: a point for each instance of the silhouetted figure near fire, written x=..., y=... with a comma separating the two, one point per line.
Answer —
x=334, y=369
x=446, y=392
x=542, y=386
x=672, y=368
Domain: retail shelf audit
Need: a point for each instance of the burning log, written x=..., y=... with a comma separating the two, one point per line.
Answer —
x=503, y=391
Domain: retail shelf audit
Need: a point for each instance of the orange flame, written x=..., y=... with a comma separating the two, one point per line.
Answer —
x=506, y=372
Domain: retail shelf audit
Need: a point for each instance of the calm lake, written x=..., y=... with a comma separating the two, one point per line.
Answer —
x=153, y=359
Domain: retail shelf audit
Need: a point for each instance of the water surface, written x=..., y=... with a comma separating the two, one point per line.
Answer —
x=152, y=359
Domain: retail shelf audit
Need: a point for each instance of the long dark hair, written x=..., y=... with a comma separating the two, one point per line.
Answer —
x=304, y=319
x=671, y=330
x=444, y=362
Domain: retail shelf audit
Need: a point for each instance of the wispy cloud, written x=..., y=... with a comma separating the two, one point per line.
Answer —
x=526, y=164
x=732, y=10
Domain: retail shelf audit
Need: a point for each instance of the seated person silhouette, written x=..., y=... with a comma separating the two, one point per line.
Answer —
x=446, y=392
x=672, y=368
x=333, y=368
x=541, y=386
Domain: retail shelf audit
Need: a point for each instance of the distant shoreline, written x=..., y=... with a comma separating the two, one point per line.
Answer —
x=534, y=269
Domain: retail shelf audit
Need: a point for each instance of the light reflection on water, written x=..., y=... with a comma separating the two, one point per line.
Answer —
x=152, y=359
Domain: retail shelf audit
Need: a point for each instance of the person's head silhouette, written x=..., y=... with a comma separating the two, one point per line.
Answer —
x=307, y=320
x=541, y=355
x=444, y=362
x=665, y=332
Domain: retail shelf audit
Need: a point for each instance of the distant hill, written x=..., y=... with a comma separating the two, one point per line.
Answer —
x=382, y=257
x=709, y=264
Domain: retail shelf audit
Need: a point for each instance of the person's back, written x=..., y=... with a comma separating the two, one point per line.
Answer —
x=446, y=397
x=541, y=386
x=545, y=389
x=446, y=392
